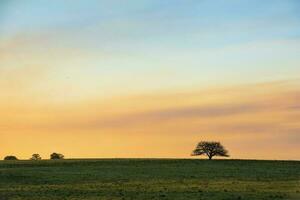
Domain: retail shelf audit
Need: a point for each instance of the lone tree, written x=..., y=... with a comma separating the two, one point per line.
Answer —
x=56, y=156
x=36, y=157
x=10, y=158
x=210, y=149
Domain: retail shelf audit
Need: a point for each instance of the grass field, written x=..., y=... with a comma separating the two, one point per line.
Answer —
x=150, y=179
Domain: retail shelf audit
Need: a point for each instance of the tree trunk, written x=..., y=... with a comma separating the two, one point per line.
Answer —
x=209, y=157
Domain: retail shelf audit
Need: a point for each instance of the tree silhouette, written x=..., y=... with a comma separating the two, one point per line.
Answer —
x=56, y=156
x=10, y=158
x=210, y=149
x=36, y=157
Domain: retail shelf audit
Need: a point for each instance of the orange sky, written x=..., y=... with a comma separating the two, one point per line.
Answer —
x=258, y=121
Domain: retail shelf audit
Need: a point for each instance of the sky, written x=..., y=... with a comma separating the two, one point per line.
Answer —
x=149, y=78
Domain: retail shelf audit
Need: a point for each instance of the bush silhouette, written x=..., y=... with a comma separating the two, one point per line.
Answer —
x=210, y=149
x=56, y=156
x=36, y=157
x=10, y=158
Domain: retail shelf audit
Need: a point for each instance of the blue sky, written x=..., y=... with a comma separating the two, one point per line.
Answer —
x=159, y=44
x=158, y=16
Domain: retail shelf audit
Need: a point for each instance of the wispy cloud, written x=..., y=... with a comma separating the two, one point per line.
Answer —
x=247, y=114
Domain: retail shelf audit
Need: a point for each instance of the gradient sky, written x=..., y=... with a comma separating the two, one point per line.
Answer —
x=149, y=78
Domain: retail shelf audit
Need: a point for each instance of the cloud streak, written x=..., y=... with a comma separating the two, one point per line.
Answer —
x=237, y=115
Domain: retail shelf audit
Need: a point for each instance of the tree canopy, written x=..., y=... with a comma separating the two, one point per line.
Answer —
x=210, y=149
x=56, y=156
x=36, y=157
x=10, y=158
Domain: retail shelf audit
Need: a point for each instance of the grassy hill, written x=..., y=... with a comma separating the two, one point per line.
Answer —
x=150, y=179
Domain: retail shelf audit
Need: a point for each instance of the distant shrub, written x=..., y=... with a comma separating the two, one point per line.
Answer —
x=10, y=158
x=56, y=156
x=36, y=157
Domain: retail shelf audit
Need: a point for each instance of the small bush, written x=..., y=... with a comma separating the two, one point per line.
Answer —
x=36, y=157
x=10, y=158
x=56, y=156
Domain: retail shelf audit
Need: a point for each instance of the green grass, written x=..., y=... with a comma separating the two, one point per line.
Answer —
x=150, y=179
